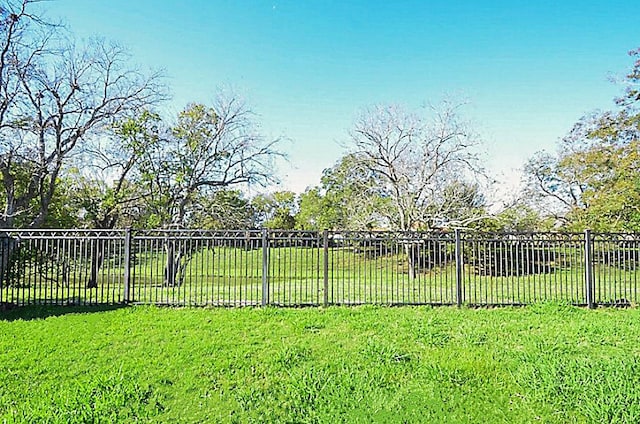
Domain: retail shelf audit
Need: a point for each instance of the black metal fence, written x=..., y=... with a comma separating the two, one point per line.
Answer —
x=295, y=268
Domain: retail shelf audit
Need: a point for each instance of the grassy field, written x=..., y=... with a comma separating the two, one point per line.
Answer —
x=544, y=363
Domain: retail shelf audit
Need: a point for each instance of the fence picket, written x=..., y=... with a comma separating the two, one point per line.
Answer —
x=265, y=267
x=459, y=269
x=588, y=269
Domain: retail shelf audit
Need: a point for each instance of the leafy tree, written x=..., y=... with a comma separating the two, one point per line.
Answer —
x=611, y=195
x=340, y=201
x=207, y=150
x=314, y=212
x=518, y=217
x=210, y=148
x=225, y=209
x=593, y=181
x=276, y=210
x=110, y=191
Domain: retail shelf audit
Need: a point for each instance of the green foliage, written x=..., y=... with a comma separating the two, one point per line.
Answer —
x=516, y=218
x=117, y=198
x=16, y=183
x=316, y=212
x=208, y=150
x=348, y=198
x=593, y=180
x=63, y=211
x=276, y=210
x=223, y=210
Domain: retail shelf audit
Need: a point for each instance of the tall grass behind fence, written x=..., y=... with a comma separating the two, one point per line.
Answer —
x=295, y=268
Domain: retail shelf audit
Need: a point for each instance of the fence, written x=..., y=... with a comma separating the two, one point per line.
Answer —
x=295, y=268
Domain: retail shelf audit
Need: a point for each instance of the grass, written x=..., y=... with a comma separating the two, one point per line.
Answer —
x=546, y=363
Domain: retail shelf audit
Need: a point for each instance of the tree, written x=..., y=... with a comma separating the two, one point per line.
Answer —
x=339, y=203
x=208, y=149
x=551, y=187
x=276, y=210
x=55, y=96
x=109, y=190
x=412, y=159
x=313, y=211
x=460, y=204
x=225, y=209
x=593, y=180
x=518, y=217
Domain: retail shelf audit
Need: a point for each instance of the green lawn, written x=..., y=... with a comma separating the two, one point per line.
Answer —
x=544, y=363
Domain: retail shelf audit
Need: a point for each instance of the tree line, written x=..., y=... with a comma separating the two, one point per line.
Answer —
x=83, y=144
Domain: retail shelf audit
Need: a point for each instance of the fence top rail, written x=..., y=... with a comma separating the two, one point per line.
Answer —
x=305, y=234
x=617, y=237
x=216, y=234
x=61, y=233
x=524, y=237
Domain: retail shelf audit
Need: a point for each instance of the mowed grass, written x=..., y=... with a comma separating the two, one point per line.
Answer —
x=543, y=363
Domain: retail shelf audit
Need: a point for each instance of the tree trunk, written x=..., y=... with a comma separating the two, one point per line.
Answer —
x=173, y=268
x=410, y=252
x=97, y=257
x=7, y=246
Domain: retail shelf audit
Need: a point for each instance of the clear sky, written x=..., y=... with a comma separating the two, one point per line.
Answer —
x=530, y=68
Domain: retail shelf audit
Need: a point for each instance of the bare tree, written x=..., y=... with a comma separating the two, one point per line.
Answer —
x=20, y=49
x=551, y=187
x=56, y=96
x=413, y=159
x=19, y=53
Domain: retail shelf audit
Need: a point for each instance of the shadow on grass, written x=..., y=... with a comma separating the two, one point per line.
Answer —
x=10, y=312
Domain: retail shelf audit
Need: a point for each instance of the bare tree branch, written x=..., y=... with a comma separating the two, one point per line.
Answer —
x=54, y=97
x=414, y=159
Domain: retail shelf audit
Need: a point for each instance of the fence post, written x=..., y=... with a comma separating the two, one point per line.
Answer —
x=459, y=269
x=127, y=265
x=325, y=265
x=588, y=269
x=265, y=267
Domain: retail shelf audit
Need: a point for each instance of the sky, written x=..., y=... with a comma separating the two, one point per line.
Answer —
x=529, y=69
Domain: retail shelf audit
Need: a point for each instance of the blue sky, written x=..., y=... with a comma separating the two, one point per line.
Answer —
x=530, y=69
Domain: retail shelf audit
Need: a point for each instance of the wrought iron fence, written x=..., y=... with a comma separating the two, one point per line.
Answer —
x=295, y=268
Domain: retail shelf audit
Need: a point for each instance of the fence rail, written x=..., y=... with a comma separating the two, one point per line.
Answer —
x=295, y=268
